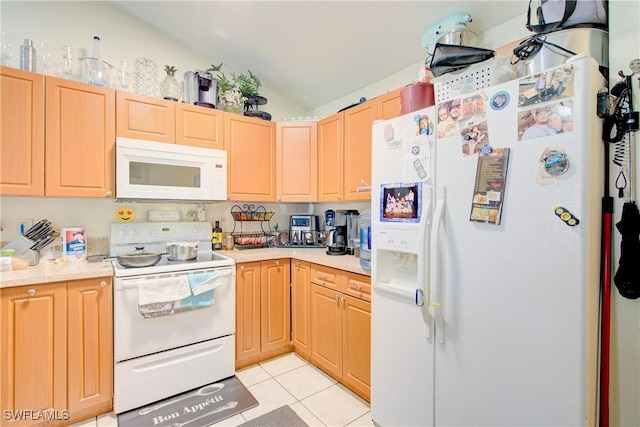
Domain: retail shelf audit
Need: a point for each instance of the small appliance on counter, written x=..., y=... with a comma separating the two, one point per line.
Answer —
x=351, y=223
x=336, y=229
x=200, y=88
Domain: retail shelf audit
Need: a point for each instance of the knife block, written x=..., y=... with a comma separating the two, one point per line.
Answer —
x=21, y=245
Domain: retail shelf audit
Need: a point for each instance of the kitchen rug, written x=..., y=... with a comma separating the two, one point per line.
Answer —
x=283, y=416
x=198, y=407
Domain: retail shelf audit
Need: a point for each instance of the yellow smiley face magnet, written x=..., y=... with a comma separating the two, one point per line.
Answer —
x=125, y=214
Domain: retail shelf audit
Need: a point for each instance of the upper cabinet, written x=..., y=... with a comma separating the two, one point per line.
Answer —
x=80, y=139
x=344, y=148
x=297, y=161
x=199, y=126
x=389, y=105
x=21, y=133
x=330, y=158
x=144, y=117
x=358, y=121
x=251, y=147
x=73, y=123
x=159, y=120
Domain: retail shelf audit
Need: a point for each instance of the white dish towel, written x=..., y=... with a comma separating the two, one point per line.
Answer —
x=163, y=290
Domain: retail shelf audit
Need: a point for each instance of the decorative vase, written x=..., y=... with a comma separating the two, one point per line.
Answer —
x=232, y=101
x=169, y=87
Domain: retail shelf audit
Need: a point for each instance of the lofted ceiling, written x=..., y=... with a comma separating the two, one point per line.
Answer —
x=313, y=52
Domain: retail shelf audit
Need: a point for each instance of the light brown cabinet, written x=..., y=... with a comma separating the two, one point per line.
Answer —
x=58, y=137
x=357, y=149
x=389, y=105
x=251, y=147
x=341, y=327
x=80, y=139
x=263, y=302
x=21, y=133
x=159, y=120
x=300, y=307
x=56, y=349
x=297, y=161
x=331, y=158
x=144, y=117
x=344, y=148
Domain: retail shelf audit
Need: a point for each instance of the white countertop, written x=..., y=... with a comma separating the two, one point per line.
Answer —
x=314, y=255
x=47, y=272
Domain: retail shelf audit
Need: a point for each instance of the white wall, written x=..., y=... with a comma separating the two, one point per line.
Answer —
x=123, y=37
x=492, y=39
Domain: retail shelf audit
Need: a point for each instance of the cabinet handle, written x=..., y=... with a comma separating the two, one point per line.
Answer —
x=337, y=298
x=277, y=262
x=103, y=284
x=358, y=287
x=31, y=291
x=242, y=267
x=297, y=263
x=109, y=193
x=342, y=299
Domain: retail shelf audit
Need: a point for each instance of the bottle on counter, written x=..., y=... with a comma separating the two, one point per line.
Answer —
x=364, y=231
x=216, y=237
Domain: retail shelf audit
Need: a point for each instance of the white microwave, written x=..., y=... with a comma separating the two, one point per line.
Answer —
x=157, y=171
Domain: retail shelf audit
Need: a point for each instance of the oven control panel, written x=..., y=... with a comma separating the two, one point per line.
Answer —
x=152, y=232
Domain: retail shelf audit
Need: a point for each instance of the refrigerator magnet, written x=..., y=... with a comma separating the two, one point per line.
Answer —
x=566, y=216
x=499, y=100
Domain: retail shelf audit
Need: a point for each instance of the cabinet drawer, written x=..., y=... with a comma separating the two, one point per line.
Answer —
x=326, y=276
x=358, y=285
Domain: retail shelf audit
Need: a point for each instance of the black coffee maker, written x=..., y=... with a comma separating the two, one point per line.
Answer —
x=336, y=231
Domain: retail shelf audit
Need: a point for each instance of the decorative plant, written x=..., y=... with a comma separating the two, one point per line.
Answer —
x=248, y=84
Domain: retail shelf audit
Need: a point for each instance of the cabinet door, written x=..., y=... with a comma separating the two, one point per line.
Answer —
x=199, y=126
x=251, y=146
x=90, y=361
x=389, y=105
x=275, y=304
x=21, y=133
x=326, y=330
x=357, y=149
x=144, y=117
x=247, y=310
x=331, y=158
x=297, y=161
x=356, y=345
x=33, y=356
x=300, y=307
x=80, y=139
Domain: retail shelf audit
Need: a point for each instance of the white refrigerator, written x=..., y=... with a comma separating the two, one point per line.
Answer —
x=486, y=235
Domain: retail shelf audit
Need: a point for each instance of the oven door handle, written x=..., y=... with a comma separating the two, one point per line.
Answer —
x=132, y=282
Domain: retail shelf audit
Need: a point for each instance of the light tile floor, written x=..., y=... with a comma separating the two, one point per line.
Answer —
x=288, y=380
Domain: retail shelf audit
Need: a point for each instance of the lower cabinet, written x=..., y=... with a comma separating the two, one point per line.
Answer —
x=300, y=307
x=56, y=352
x=263, y=319
x=340, y=327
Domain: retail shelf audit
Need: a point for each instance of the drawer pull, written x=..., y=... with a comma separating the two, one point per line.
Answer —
x=358, y=287
x=103, y=284
x=31, y=292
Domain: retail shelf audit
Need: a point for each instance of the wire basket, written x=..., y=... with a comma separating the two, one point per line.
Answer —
x=473, y=78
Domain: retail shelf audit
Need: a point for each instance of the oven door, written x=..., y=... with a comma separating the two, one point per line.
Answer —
x=147, y=170
x=135, y=336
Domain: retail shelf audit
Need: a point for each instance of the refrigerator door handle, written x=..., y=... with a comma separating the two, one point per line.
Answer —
x=435, y=307
x=416, y=296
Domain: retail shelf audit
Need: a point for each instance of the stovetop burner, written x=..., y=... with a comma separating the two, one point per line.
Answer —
x=154, y=236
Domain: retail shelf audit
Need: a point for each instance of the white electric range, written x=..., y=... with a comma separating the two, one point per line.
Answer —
x=173, y=352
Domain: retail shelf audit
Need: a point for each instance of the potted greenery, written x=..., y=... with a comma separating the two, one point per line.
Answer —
x=238, y=91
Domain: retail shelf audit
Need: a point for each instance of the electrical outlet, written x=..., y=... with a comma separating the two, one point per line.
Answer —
x=24, y=224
